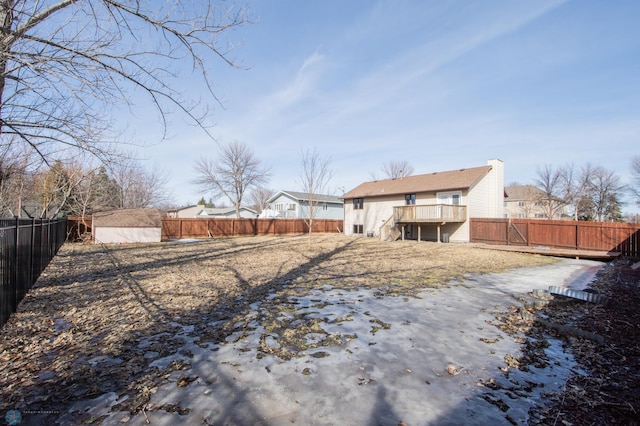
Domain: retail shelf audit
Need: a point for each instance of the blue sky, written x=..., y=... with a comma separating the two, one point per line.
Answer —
x=441, y=84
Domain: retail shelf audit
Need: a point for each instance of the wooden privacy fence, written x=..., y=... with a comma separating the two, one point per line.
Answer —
x=223, y=227
x=219, y=227
x=623, y=238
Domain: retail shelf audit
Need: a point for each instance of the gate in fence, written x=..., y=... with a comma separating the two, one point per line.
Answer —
x=622, y=238
x=26, y=248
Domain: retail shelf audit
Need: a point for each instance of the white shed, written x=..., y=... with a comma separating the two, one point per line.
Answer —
x=127, y=226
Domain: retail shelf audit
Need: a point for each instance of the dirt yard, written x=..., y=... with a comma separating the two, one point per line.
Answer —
x=77, y=334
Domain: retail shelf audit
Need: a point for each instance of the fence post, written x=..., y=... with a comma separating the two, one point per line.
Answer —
x=14, y=296
x=49, y=240
x=32, y=248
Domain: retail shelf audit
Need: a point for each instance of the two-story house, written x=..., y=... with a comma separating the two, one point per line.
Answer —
x=529, y=202
x=434, y=206
x=292, y=204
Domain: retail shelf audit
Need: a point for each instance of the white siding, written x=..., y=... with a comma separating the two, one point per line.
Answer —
x=376, y=211
x=332, y=211
x=496, y=189
x=127, y=235
x=372, y=216
x=286, y=206
x=485, y=199
x=291, y=208
x=190, y=211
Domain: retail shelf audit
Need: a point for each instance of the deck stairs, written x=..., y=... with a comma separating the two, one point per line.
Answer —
x=390, y=231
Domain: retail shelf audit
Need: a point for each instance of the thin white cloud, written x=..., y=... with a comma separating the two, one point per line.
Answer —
x=416, y=64
x=379, y=91
x=302, y=84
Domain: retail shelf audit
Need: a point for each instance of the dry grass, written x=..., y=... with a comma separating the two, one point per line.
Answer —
x=93, y=304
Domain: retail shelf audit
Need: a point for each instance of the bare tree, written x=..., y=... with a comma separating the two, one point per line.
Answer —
x=16, y=177
x=258, y=198
x=394, y=170
x=530, y=200
x=594, y=192
x=231, y=174
x=635, y=178
x=138, y=187
x=549, y=181
x=83, y=203
x=57, y=187
x=313, y=179
x=575, y=186
x=397, y=169
x=604, y=192
x=64, y=64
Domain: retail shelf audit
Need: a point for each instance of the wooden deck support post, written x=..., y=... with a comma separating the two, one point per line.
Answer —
x=438, y=237
x=403, y=232
x=419, y=232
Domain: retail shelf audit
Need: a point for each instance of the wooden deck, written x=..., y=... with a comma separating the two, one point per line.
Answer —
x=553, y=251
x=431, y=213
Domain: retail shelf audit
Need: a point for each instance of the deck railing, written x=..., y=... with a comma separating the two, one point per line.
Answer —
x=430, y=213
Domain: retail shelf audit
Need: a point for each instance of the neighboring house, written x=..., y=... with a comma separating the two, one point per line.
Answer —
x=523, y=202
x=434, y=206
x=226, y=212
x=127, y=226
x=189, y=211
x=292, y=204
x=527, y=202
x=201, y=211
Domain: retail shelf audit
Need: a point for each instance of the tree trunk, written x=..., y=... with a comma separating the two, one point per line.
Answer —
x=6, y=20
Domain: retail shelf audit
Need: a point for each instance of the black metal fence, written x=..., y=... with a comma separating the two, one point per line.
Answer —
x=26, y=247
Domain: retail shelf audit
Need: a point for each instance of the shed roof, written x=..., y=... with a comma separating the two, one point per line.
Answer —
x=128, y=218
x=430, y=182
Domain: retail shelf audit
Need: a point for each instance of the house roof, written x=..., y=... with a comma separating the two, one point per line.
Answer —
x=522, y=192
x=177, y=209
x=303, y=196
x=430, y=182
x=128, y=218
x=221, y=211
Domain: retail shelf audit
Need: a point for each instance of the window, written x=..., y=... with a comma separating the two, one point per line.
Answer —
x=358, y=229
x=410, y=199
x=358, y=203
x=520, y=203
x=452, y=198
